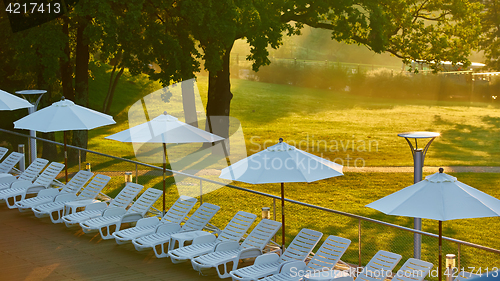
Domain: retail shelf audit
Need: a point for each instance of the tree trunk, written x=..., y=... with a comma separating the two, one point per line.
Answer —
x=65, y=66
x=189, y=102
x=219, y=98
x=111, y=91
x=81, y=85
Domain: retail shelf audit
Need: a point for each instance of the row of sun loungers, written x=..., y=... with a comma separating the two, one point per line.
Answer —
x=168, y=236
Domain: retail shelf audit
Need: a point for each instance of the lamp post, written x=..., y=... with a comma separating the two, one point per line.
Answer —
x=35, y=101
x=418, y=164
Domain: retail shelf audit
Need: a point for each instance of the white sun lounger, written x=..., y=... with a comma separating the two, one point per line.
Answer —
x=3, y=151
x=268, y=264
x=94, y=210
x=20, y=189
x=327, y=256
x=413, y=270
x=229, y=253
x=87, y=195
x=29, y=174
x=7, y=165
x=146, y=226
x=112, y=218
x=160, y=238
x=233, y=231
x=48, y=195
x=378, y=269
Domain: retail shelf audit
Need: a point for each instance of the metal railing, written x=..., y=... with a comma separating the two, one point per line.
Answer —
x=368, y=235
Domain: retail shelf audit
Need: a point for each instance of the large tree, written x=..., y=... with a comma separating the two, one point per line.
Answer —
x=427, y=30
x=490, y=39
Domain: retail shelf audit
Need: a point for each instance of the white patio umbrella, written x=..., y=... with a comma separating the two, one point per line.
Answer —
x=439, y=197
x=64, y=115
x=281, y=163
x=10, y=102
x=164, y=129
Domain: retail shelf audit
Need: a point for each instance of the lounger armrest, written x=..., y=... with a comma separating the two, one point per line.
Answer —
x=147, y=221
x=65, y=197
x=21, y=183
x=168, y=227
x=113, y=211
x=96, y=206
x=7, y=178
x=131, y=217
x=34, y=189
x=209, y=238
x=227, y=246
x=49, y=192
x=292, y=267
x=267, y=258
x=249, y=253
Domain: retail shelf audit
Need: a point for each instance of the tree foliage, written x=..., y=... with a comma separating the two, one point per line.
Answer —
x=490, y=37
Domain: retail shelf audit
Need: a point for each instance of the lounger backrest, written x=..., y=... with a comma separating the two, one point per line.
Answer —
x=33, y=169
x=49, y=174
x=237, y=227
x=94, y=187
x=261, y=234
x=464, y=275
x=77, y=182
x=127, y=195
x=329, y=253
x=380, y=266
x=301, y=245
x=9, y=162
x=145, y=201
x=3, y=151
x=180, y=209
x=413, y=270
x=201, y=217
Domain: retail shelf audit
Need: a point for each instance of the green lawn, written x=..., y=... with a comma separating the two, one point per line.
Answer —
x=328, y=124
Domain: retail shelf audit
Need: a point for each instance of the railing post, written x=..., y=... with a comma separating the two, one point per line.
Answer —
x=22, y=163
x=79, y=160
x=359, y=242
x=201, y=192
x=136, y=174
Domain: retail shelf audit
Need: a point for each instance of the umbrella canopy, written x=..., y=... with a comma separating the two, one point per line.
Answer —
x=11, y=102
x=164, y=129
x=64, y=115
x=281, y=163
x=439, y=197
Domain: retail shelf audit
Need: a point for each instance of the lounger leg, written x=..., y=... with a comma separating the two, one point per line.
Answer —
x=160, y=250
x=224, y=268
x=107, y=231
x=11, y=201
x=56, y=216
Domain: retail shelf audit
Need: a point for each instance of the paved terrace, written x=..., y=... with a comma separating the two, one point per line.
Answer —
x=37, y=249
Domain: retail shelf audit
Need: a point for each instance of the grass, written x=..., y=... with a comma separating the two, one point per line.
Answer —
x=352, y=130
x=328, y=124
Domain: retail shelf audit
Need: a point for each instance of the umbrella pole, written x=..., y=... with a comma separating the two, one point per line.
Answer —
x=164, y=171
x=440, y=255
x=65, y=158
x=282, y=217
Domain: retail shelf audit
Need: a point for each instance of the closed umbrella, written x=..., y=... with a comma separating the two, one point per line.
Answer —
x=11, y=102
x=281, y=163
x=439, y=197
x=164, y=129
x=64, y=115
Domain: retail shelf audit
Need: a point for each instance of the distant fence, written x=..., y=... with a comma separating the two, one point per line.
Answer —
x=367, y=235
